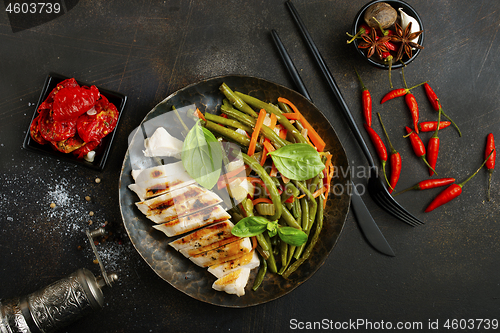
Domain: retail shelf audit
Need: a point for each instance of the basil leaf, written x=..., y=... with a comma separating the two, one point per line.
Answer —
x=292, y=236
x=298, y=161
x=250, y=226
x=202, y=156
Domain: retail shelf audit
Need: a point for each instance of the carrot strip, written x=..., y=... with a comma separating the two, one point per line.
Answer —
x=274, y=171
x=292, y=116
x=315, y=138
x=256, y=131
x=261, y=200
x=274, y=120
x=200, y=115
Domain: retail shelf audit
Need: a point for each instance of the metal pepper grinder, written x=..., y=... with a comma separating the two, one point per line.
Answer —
x=60, y=303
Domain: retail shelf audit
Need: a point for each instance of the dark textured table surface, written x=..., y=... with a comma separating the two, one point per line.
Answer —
x=446, y=269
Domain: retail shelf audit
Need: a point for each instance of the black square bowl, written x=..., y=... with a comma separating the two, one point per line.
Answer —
x=102, y=151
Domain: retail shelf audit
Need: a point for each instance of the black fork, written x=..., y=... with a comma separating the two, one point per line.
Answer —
x=376, y=187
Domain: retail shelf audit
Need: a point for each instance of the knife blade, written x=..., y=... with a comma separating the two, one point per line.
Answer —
x=366, y=223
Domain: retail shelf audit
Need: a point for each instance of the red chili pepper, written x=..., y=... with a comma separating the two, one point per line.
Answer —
x=430, y=126
x=411, y=102
x=452, y=191
x=436, y=104
x=428, y=184
x=397, y=93
x=366, y=100
x=379, y=147
x=433, y=148
x=395, y=160
x=490, y=164
x=418, y=146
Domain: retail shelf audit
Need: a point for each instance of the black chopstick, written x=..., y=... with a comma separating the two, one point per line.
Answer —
x=292, y=70
x=330, y=80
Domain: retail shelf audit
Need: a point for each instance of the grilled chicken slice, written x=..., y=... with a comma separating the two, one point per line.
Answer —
x=224, y=253
x=158, y=180
x=250, y=260
x=234, y=282
x=179, y=203
x=194, y=221
x=204, y=237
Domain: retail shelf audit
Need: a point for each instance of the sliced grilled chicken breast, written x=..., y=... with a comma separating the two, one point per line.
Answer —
x=250, y=260
x=175, y=204
x=234, y=282
x=224, y=253
x=194, y=221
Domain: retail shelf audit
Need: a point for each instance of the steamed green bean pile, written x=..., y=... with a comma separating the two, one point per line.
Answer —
x=295, y=200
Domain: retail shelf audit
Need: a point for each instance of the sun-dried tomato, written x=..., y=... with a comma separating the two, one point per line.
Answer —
x=69, y=145
x=97, y=126
x=81, y=152
x=35, y=131
x=53, y=130
x=71, y=102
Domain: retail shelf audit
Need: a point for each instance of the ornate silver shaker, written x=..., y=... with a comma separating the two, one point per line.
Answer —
x=60, y=303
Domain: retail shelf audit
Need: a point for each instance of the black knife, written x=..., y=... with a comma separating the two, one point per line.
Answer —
x=365, y=221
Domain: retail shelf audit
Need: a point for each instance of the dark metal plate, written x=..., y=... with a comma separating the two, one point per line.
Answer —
x=195, y=281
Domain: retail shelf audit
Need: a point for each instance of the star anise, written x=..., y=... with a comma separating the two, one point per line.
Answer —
x=406, y=38
x=374, y=44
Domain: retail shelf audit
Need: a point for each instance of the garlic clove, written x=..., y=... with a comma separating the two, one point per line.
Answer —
x=406, y=19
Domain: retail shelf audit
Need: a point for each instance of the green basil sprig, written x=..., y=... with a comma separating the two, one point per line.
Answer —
x=298, y=161
x=202, y=156
x=254, y=225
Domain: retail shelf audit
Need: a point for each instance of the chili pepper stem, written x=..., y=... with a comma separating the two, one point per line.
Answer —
x=453, y=123
x=414, y=187
x=426, y=162
x=357, y=35
x=384, y=32
x=359, y=78
x=404, y=81
x=389, y=60
x=470, y=177
x=385, y=174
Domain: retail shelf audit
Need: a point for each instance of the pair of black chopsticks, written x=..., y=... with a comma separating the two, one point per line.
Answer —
x=368, y=226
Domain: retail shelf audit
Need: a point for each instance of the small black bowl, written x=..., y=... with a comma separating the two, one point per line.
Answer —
x=102, y=151
x=395, y=4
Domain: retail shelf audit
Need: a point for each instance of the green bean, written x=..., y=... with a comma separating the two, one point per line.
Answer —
x=228, y=109
x=257, y=103
x=312, y=202
x=228, y=122
x=289, y=219
x=237, y=101
x=273, y=191
x=265, y=243
x=239, y=138
x=284, y=107
x=297, y=211
x=304, y=205
x=314, y=240
x=249, y=121
x=284, y=253
x=261, y=274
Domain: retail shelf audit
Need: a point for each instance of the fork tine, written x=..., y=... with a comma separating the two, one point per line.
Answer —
x=395, y=209
x=391, y=206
